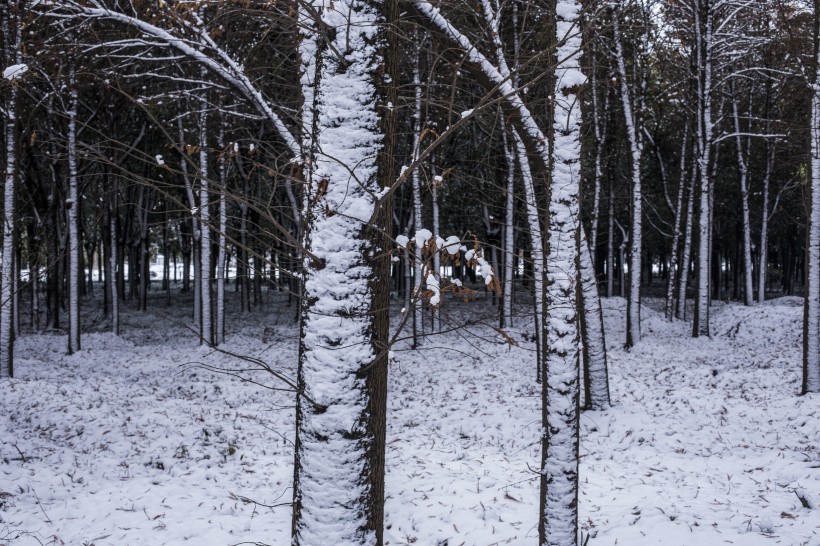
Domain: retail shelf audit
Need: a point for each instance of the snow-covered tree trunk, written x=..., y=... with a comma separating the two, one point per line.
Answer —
x=112, y=257
x=748, y=285
x=686, y=248
x=195, y=233
x=509, y=235
x=705, y=130
x=558, y=522
x=437, y=180
x=811, y=307
x=591, y=323
x=764, y=226
x=13, y=30
x=536, y=247
x=600, y=127
x=674, y=268
x=341, y=405
x=633, y=303
x=73, y=205
x=418, y=264
x=206, y=324
x=219, y=330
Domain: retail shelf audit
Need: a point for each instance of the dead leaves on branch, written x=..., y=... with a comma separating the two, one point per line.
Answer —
x=423, y=248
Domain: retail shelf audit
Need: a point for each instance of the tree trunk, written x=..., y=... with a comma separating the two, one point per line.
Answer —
x=223, y=226
x=509, y=228
x=601, y=128
x=748, y=285
x=764, y=226
x=206, y=325
x=12, y=25
x=195, y=231
x=558, y=522
x=73, y=205
x=811, y=307
x=342, y=376
x=418, y=264
x=680, y=311
x=536, y=251
x=591, y=323
x=633, y=303
x=705, y=130
x=675, y=269
x=610, y=243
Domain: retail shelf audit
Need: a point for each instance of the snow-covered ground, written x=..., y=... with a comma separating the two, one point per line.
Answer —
x=132, y=442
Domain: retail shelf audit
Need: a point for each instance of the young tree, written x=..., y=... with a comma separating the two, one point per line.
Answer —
x=341, y=404
x=811, y=307
x=633, y=131
x=560, y=394
x=73, y=205
x=13, y=70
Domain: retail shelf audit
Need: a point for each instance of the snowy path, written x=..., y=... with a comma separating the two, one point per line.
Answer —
x=705, y=446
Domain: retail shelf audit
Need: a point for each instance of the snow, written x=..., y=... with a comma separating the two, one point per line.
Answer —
x=452, y=244
x=15, y=71
x=435, y=290
x=421, y=237
x=128, y=442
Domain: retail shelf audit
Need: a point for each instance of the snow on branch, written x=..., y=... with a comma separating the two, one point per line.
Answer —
x=450, y=249
x=15, y=71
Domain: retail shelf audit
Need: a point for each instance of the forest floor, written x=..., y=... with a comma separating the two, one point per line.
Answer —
x=133, y=441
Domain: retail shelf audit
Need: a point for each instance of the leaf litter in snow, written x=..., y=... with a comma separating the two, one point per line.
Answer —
x=129, y=442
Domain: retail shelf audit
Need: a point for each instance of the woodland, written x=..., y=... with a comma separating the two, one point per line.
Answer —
x=369, y=272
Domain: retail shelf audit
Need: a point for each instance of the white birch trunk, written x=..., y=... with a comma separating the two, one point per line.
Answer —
x=705, y=136
x=600, y=137
x=9, y=226
x=223, y=226
x=73, y=205
x=811, y=313
x=536, y=242
x=332, y=485
x=748, y=285
x=418, y=264
x=195, y=235
x=206, y=328
x=112, y=259
x=686, y=252
x=7, y=280
x=674, y=267
x=560, y=394
x=633, y=304
x=509, y=235
x=436, y=313
x=764, y=227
